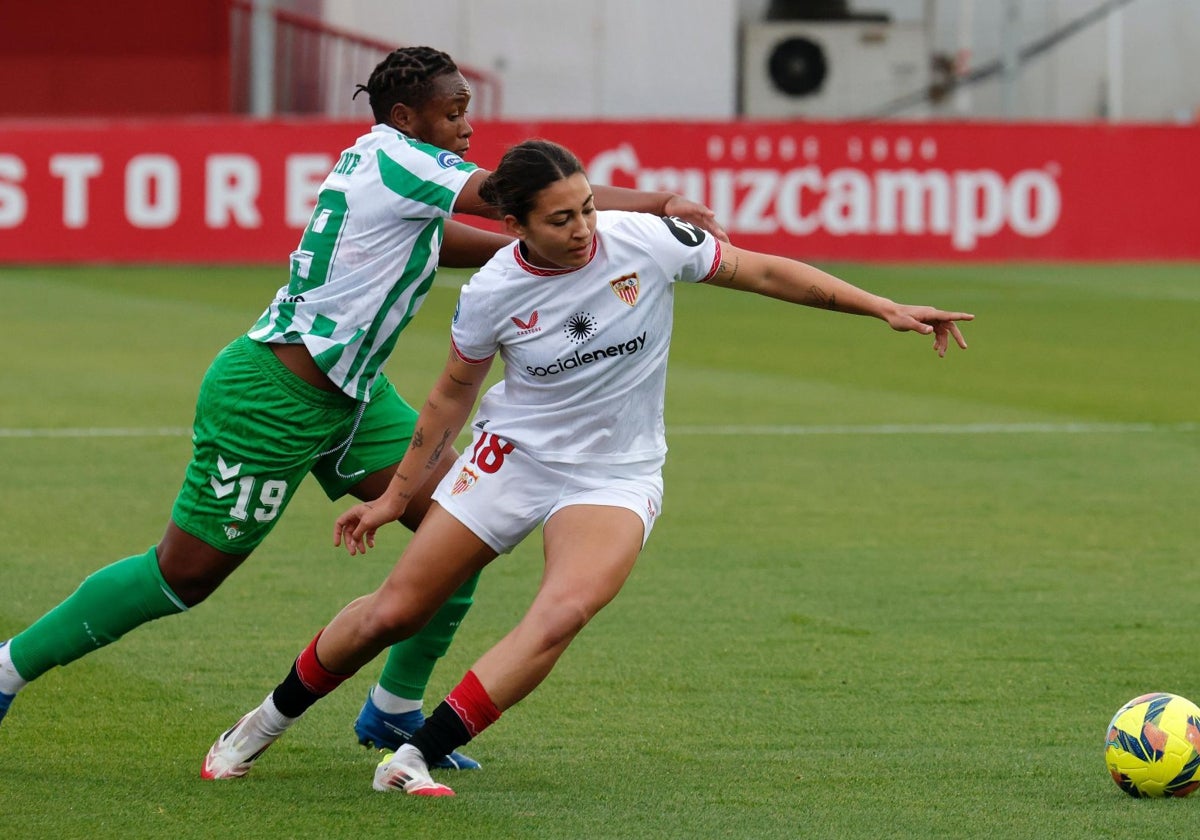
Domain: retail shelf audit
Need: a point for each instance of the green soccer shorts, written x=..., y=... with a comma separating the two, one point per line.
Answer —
x=259, y=429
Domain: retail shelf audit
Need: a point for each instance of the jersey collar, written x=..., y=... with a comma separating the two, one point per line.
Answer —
x=539, y=271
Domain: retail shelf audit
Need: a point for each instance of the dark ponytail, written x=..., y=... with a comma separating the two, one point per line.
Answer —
x=525, y=170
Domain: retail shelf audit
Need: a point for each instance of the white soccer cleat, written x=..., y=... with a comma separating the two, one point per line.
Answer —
x=235, y=752
x=405, y=770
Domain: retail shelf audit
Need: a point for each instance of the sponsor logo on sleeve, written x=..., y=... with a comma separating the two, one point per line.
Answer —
x=685, y=232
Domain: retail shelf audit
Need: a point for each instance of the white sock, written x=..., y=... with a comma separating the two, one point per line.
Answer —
x=10, y=681
x=269, y=720
x=392, y=704
x=407, y=753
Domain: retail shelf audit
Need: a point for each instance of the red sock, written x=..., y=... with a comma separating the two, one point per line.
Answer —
x=315, y=676
x=471, y=703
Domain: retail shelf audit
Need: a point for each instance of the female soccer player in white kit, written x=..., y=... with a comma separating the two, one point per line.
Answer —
x=580, y=311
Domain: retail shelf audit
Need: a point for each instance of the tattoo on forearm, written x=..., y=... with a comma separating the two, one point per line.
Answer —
x=418, y=439
x=821, y=299
x=436, y=454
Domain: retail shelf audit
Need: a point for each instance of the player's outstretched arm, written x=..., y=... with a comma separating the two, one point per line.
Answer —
x=464, y=246
x=470, y=201
x=442, y=418
x=797, y=282
x=659, y=204
x=607, y=198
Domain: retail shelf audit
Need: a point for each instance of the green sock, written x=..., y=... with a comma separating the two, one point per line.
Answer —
x=107, y=605
x=410, y=663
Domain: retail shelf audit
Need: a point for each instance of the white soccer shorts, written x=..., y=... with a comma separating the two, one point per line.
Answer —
x=502, y=494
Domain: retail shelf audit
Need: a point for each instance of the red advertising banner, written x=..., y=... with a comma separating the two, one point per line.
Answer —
x=237, y=191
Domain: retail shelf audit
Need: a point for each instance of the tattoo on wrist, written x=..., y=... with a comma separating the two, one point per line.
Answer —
x=403, y=494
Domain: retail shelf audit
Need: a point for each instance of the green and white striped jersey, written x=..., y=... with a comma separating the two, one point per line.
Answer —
x=368, y=256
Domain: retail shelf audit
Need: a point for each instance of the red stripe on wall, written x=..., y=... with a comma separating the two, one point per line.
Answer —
x=236, y=191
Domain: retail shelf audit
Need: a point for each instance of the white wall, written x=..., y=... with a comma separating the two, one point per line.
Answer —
x=575, y=58
x=681, y=58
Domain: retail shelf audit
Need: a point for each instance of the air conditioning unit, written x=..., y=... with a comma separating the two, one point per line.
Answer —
x=832, y=69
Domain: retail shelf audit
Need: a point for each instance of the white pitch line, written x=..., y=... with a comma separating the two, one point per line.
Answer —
x=939, y=429
x=166, y=431
x=726, y=430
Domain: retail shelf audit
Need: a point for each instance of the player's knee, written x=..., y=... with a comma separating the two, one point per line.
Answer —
x=190, y=587
x=560, y=622
x=387, y=621
x=192, y=569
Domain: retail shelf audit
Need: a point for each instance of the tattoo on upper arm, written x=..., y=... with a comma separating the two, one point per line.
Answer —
x=726, y=267
x=458, y=381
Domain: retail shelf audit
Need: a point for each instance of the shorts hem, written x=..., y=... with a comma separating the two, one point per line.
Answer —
x=496, y=545
x=204, y=538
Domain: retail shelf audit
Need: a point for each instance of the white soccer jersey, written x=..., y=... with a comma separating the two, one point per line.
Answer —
x=585, y=349
x=368, y=256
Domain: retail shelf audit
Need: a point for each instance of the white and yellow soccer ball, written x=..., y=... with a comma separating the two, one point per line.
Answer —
x=1153, y=746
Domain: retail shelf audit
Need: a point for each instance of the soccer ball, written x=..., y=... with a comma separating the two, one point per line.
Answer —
x=1153, y=746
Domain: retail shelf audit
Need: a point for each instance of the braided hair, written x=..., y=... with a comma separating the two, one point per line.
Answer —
x=407, y=76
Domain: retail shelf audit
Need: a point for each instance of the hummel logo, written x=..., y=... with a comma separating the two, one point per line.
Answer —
x=221, y=489
x=225, y=470
x=527, y=327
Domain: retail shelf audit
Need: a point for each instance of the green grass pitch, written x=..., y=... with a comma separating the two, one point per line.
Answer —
x=891, y=595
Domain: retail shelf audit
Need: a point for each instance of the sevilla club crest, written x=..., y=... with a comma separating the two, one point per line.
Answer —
x=626, y=288
x=465, y=481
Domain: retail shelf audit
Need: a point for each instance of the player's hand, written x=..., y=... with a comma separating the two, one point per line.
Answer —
x=696, y=213
x=927, y=320
x=356, y=527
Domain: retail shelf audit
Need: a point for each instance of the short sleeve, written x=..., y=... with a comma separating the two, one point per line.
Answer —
x=473, y=330
x=686, y=252
x=425, y=175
